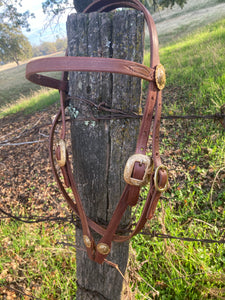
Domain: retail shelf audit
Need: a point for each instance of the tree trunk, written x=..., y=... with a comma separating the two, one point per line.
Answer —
x=101, y=148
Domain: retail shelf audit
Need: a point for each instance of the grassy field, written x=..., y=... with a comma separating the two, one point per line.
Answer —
x=193, y=206
x=195, y=150
x=13, y=84
x=177, y=22
x=36, y=101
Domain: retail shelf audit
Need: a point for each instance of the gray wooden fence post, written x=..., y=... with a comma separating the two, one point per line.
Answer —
x=101, y=148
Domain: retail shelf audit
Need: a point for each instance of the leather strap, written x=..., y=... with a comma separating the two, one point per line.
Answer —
x=139, y=168
x=82, y=64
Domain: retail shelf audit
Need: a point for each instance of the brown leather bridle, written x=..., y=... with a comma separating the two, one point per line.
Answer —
x=140, y=169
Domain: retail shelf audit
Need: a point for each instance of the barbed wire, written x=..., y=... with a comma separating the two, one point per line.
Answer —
x=216, y=116
x=72, y=219
x=187, y=239
x=38, y=219
x=113, y=113
x=120, y=114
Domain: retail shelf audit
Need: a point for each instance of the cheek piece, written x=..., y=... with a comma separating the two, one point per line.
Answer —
x=140, y=169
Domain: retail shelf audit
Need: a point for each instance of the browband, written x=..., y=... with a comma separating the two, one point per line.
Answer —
x=140, y=169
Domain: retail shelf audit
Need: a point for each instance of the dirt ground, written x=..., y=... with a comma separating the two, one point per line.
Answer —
x=26, y=177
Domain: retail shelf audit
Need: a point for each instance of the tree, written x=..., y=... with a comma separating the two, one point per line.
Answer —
x=9, y=15
x=153, y=5
x=171, y=3
x=57, y=7
x=61, y=44
x=48, y=48
x=14, y=46
x=36, y=51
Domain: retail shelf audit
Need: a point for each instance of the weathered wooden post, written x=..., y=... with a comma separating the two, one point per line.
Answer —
x=102, y=145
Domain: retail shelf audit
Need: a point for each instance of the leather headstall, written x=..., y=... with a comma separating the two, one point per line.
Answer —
x=140, y=169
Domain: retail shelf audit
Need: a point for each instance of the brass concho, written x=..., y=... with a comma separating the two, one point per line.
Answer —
x=87, y=241
x=103, y=248
x=160, y=77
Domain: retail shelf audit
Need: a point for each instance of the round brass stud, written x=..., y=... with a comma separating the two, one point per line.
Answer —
x=103, y=248
x=160, y=77
x=87, y=241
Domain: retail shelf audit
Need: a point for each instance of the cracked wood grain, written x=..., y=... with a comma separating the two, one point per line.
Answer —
x=101, y=148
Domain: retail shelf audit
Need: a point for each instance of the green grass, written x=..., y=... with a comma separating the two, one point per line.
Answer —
x=195, y=154
x=195, y=71
x=30, y=257
x=180, y=269
x=14, y=85
x=178, y=22
x=38, y=101
x=193, y=206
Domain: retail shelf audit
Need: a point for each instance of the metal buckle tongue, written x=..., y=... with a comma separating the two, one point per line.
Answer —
x=141, y=159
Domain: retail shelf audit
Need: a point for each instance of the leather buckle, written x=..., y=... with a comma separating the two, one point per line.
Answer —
x=141, y=159
x=156, y=179
x=62, y=147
